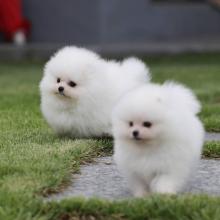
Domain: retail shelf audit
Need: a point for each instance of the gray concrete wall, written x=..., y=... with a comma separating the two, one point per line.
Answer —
x=64, y=21
x=141, y=21
x=115, y=21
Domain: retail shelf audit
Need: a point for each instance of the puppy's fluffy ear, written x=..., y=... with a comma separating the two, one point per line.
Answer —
x=133, y=66
x=182, y=96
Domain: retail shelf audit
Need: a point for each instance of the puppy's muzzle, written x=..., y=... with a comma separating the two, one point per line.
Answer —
x=135, y=134
x=61, y=89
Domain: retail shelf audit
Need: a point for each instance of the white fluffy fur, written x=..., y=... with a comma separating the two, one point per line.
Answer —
x=163, y=155
x=85, y=110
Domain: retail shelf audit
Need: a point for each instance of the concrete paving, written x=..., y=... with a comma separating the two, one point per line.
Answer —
x=102, y=179
x=212, y=137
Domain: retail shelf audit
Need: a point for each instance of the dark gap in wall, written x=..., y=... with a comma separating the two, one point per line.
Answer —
x=178, y=1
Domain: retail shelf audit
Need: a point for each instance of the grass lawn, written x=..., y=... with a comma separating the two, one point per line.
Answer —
x=34, y=162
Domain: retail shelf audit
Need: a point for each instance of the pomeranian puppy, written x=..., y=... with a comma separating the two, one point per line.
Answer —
x=158, y=137
x=79, y=90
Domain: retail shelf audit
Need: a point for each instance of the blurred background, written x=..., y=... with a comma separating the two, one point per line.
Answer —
x=110, y=26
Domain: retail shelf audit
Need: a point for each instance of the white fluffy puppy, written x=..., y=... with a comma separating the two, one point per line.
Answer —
x=79, y=90
x=158, y=137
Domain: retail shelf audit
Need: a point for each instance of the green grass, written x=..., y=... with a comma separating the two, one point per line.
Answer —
x=34, y=162
x=154, y=207
x=212, y=149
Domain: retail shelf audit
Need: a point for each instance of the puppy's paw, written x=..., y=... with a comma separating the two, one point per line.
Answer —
x=140, y=193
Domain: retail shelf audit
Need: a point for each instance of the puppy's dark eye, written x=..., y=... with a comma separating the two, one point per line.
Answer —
x=147, y=124
x=131, y=124
x=72, y=84
x=58, y=80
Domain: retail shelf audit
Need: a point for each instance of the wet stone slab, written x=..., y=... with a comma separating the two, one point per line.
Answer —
x=212, y=136
x=102, y=179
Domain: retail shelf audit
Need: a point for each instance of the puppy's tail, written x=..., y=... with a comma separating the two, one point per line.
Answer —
x=183, y=96
x=135, y=68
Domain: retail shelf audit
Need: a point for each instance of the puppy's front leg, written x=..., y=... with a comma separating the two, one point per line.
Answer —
x=137, y=186
x=164, y=184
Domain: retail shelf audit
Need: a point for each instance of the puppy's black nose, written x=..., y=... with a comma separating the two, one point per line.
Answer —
x=61, y=89
x=135, y=133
